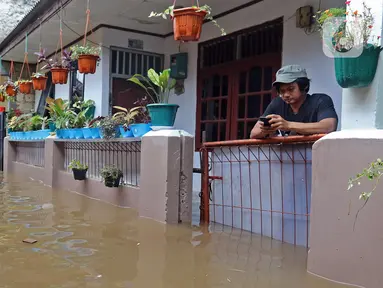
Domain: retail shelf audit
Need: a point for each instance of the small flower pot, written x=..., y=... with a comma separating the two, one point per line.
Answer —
x=78, y=133
x=79, y=174
x=87, y=64
x=140, y=129
x=10, y=90
x=2, y=98
x=59, y=75
x=39, y=83
x=187, y=23
x=126, y=134
x=162, y=114
x=110, y=182
x=25, y=88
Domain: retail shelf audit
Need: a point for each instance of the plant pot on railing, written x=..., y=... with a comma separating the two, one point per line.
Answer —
x=140, y=129
x=87, y=64
x=126, y=132
x=39, y=83
x=59, y=75
x=358, y=71
x=79, y=174
x=112, y=182
x=187, y=23
x=25, y=87
x=163, y=115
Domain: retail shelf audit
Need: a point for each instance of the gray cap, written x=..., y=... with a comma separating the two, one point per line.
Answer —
x=289, y=74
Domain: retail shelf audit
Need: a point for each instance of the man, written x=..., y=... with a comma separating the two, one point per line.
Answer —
x=296, y=111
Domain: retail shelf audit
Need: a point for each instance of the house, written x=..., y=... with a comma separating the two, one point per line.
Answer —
x=228, y=84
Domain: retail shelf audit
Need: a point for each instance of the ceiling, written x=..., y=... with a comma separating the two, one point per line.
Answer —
x=131, y=14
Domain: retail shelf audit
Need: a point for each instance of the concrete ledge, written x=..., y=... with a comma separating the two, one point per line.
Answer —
x=338, y=251
x=124, y=196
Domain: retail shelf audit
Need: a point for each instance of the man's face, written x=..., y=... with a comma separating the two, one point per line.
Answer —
x=290, y=93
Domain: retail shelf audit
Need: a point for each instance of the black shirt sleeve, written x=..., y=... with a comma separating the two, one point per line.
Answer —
x=273, y=107
x=326, y=108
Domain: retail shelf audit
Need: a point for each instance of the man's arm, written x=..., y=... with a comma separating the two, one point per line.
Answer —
x=259, y=131
x=322, y=127
x=327, y=119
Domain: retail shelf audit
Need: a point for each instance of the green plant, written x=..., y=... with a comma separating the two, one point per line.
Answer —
x=76, y=164
x=157, y=86
x=59, y=112
x=109, y=128
x=78, y=50
x=111, y=172
x=37, y=75
x=77, y=120
x=34, y=123
x=170, y=12
x=18, y=82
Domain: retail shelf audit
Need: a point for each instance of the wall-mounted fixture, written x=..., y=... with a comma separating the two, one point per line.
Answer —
x=179, y=66
x=304, y=16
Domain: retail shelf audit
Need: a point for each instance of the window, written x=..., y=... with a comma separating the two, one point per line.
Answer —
x=235, y=81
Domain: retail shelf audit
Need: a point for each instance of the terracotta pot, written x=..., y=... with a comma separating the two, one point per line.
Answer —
x=39, y=83
x=59, y=75
x=2, y=98
x=87, y=64
x=25, y=88
x=187, y=24
x=10, y=90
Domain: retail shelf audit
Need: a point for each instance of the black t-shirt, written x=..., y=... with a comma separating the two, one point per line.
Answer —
x=315, y=108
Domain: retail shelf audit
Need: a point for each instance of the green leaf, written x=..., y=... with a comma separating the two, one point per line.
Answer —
x=154, y=77
x=164, y=79
x=135, y=80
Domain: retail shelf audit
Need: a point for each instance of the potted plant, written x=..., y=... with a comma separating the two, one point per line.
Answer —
x=187, y=22
x=92, y=128
x=347, y=36
x=112, y=176
x=39, y=81
x=10, y=88
x=59, y=68
x=89, y=105
x=159, y=87
x=25, y=86
x=109, y=128
x=88, y=57
x=79, y=170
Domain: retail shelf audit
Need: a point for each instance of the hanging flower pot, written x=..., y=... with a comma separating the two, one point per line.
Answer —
x=358, y=71
x=25, y=87
x=39, y=82
x=11, y=90
x=2, y=98
x=87, y=64
x=187, y=23
x=59, y=75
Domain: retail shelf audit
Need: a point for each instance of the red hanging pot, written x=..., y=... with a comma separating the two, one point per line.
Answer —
x=25, y=87
x=87, y=64
x=59, y=75
x=39, y=83
x=11, y=90
x=187, y=23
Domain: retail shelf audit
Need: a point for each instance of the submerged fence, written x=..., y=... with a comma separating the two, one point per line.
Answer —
x=263, y=186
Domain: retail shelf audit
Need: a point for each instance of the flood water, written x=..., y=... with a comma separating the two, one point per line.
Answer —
x=87, y=243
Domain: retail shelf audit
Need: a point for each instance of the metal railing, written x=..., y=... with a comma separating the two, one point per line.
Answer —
x=262, y=186
x=126, y=155
x=31, y=153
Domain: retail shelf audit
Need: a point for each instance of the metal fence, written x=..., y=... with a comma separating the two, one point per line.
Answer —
x=126, y=155
x=31, y=153
x=262, y=186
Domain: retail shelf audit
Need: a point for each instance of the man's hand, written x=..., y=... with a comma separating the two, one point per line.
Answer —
x=278, y=123
x=266, y=130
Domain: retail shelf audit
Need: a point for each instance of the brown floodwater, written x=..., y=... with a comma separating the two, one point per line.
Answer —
x=88, y=243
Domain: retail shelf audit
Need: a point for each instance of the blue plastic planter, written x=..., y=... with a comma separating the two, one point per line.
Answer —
x=126, y=134
x=52, y=127
x=96, y=134
x=59, y=133
x=65, y=133
x=87, y=132
x=44, y=133
x=71, y=133
x=140, y=129
x=163, y=114
x=78, y=133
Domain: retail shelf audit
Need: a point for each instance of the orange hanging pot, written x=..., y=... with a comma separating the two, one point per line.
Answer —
x=59, y=75
x=25, y=87
x=2, y=98
x=39, y=83
x=87, y=64
x=11, y=90
x=187, y=23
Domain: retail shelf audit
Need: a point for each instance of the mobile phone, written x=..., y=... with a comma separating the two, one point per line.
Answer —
x=265, y=121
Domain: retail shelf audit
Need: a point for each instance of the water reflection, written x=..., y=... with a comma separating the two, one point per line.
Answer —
x=87, y=243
